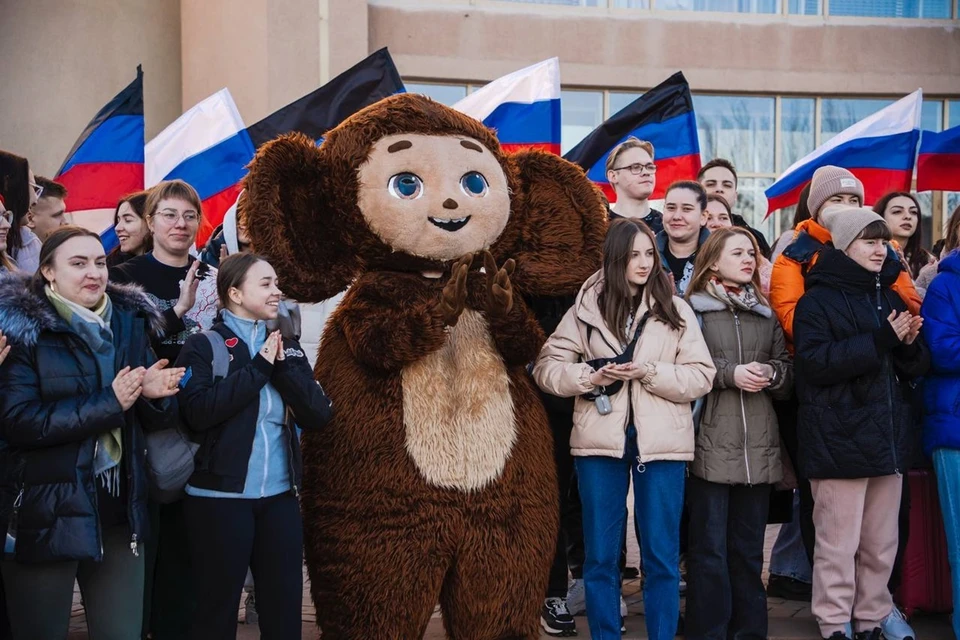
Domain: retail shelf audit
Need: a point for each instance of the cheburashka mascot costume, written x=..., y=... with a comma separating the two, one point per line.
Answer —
x=435, y=481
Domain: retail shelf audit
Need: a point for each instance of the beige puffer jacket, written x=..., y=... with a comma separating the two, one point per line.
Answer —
x=680, y=371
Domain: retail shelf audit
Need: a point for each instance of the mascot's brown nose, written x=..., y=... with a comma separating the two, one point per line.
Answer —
x=450, y=203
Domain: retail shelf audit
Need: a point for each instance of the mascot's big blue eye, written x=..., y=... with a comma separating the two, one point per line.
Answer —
x=474, y=184
x=406, y=186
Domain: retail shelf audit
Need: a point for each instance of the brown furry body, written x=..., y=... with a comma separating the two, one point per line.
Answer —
x=383, y=545
x=435, y=481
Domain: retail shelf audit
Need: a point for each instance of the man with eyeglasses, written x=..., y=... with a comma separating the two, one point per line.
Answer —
x=633, y=175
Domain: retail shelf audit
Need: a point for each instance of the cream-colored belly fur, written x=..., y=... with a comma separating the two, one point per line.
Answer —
x=457, y=409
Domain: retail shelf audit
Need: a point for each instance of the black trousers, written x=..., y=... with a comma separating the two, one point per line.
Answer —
x=561, y=423
x=227, y=536
x=725, y=593
x=174, y=597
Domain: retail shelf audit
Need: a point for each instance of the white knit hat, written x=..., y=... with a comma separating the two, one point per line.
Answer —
x=846, y=223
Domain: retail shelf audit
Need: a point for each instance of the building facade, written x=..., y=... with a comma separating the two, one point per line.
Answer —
x=771, y=79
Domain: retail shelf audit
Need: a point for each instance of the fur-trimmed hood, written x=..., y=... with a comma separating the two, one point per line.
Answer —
x=24, y=314
x=703, y=302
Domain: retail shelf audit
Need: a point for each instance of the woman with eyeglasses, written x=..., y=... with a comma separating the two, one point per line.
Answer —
x=19, y=190
x=168, y=274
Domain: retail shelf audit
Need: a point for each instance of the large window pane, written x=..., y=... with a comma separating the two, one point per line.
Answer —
x=954, y=116
x=729, y=6
x=752, y=205
x=931, y=115
x=448, y=94
x=805, y=7
x=619, y=100
x=839, y=113
x=796, y=129
x=580, y=112
x=891, y=8
x=739, y=128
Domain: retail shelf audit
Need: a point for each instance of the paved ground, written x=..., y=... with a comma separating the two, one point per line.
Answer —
x=788, y=620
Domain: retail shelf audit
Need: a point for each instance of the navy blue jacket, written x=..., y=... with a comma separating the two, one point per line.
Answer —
x=941, y=329
x=52, y=411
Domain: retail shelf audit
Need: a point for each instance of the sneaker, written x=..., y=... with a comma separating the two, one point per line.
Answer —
x=876, y=634
x=623, y=625
x=789, y=588
x=896, y=627
x=250, y=615
x=577, y=598
x=839, y=635
x=630, y=573
x=623, y=607
x=556, y=620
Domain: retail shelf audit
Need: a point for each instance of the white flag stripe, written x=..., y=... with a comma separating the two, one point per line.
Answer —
x=206, y=124
x=903, y=116
x=535, y=83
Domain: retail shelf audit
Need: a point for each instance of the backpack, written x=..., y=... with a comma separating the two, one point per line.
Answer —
x=170, y=453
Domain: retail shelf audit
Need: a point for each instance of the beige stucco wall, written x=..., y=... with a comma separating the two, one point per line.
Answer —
x=268, y=52
x=638, y=49
x=62, y=60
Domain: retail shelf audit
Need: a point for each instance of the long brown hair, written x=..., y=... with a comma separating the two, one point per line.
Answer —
x=137, y=201
x=917, y=257
x=616, y=303
x=952, y=237
x=710, y=252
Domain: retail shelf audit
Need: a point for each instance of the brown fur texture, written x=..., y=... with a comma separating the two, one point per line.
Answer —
x=409, y=501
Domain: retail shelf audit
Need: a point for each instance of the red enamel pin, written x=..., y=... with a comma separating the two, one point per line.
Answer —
x=231, y=342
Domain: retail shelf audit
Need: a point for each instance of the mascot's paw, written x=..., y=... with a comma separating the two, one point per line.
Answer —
x=454, y=296
x=499, y=287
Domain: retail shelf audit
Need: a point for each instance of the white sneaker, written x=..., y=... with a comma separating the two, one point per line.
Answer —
x=896, y=627
x=577, y=598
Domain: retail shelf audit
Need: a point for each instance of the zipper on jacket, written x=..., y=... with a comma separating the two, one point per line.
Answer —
x=893, y=426
x=261, y=427
x=133, y=546
x=743, y=409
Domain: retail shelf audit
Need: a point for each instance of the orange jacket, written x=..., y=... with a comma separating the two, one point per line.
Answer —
x=786, y=283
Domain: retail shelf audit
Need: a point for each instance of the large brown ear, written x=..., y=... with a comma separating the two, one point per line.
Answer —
x=557, y=225
x=293, y=223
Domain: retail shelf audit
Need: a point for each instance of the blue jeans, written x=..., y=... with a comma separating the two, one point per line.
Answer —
x=658, y=494
x=789, y=556
x=946, y=464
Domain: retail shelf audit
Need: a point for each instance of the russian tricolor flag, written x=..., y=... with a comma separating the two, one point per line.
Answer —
x=663, y=116
x=106, y=162
x=523, y=107
x=879, y=150
x=209, y=146
x=938, y=166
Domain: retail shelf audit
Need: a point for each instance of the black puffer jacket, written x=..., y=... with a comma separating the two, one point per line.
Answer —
x=223, y=411
x=854, y=420
x=52, y=410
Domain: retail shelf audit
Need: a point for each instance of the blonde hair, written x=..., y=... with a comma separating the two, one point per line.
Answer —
x=630, y=143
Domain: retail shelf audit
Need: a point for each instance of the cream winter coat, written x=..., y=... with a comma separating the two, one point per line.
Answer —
x=680, y=371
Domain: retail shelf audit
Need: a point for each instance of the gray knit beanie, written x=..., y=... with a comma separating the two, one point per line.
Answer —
x=829, y=181
x=846, y=223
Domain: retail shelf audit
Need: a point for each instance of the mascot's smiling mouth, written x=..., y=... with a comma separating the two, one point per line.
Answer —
x=454, y=224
